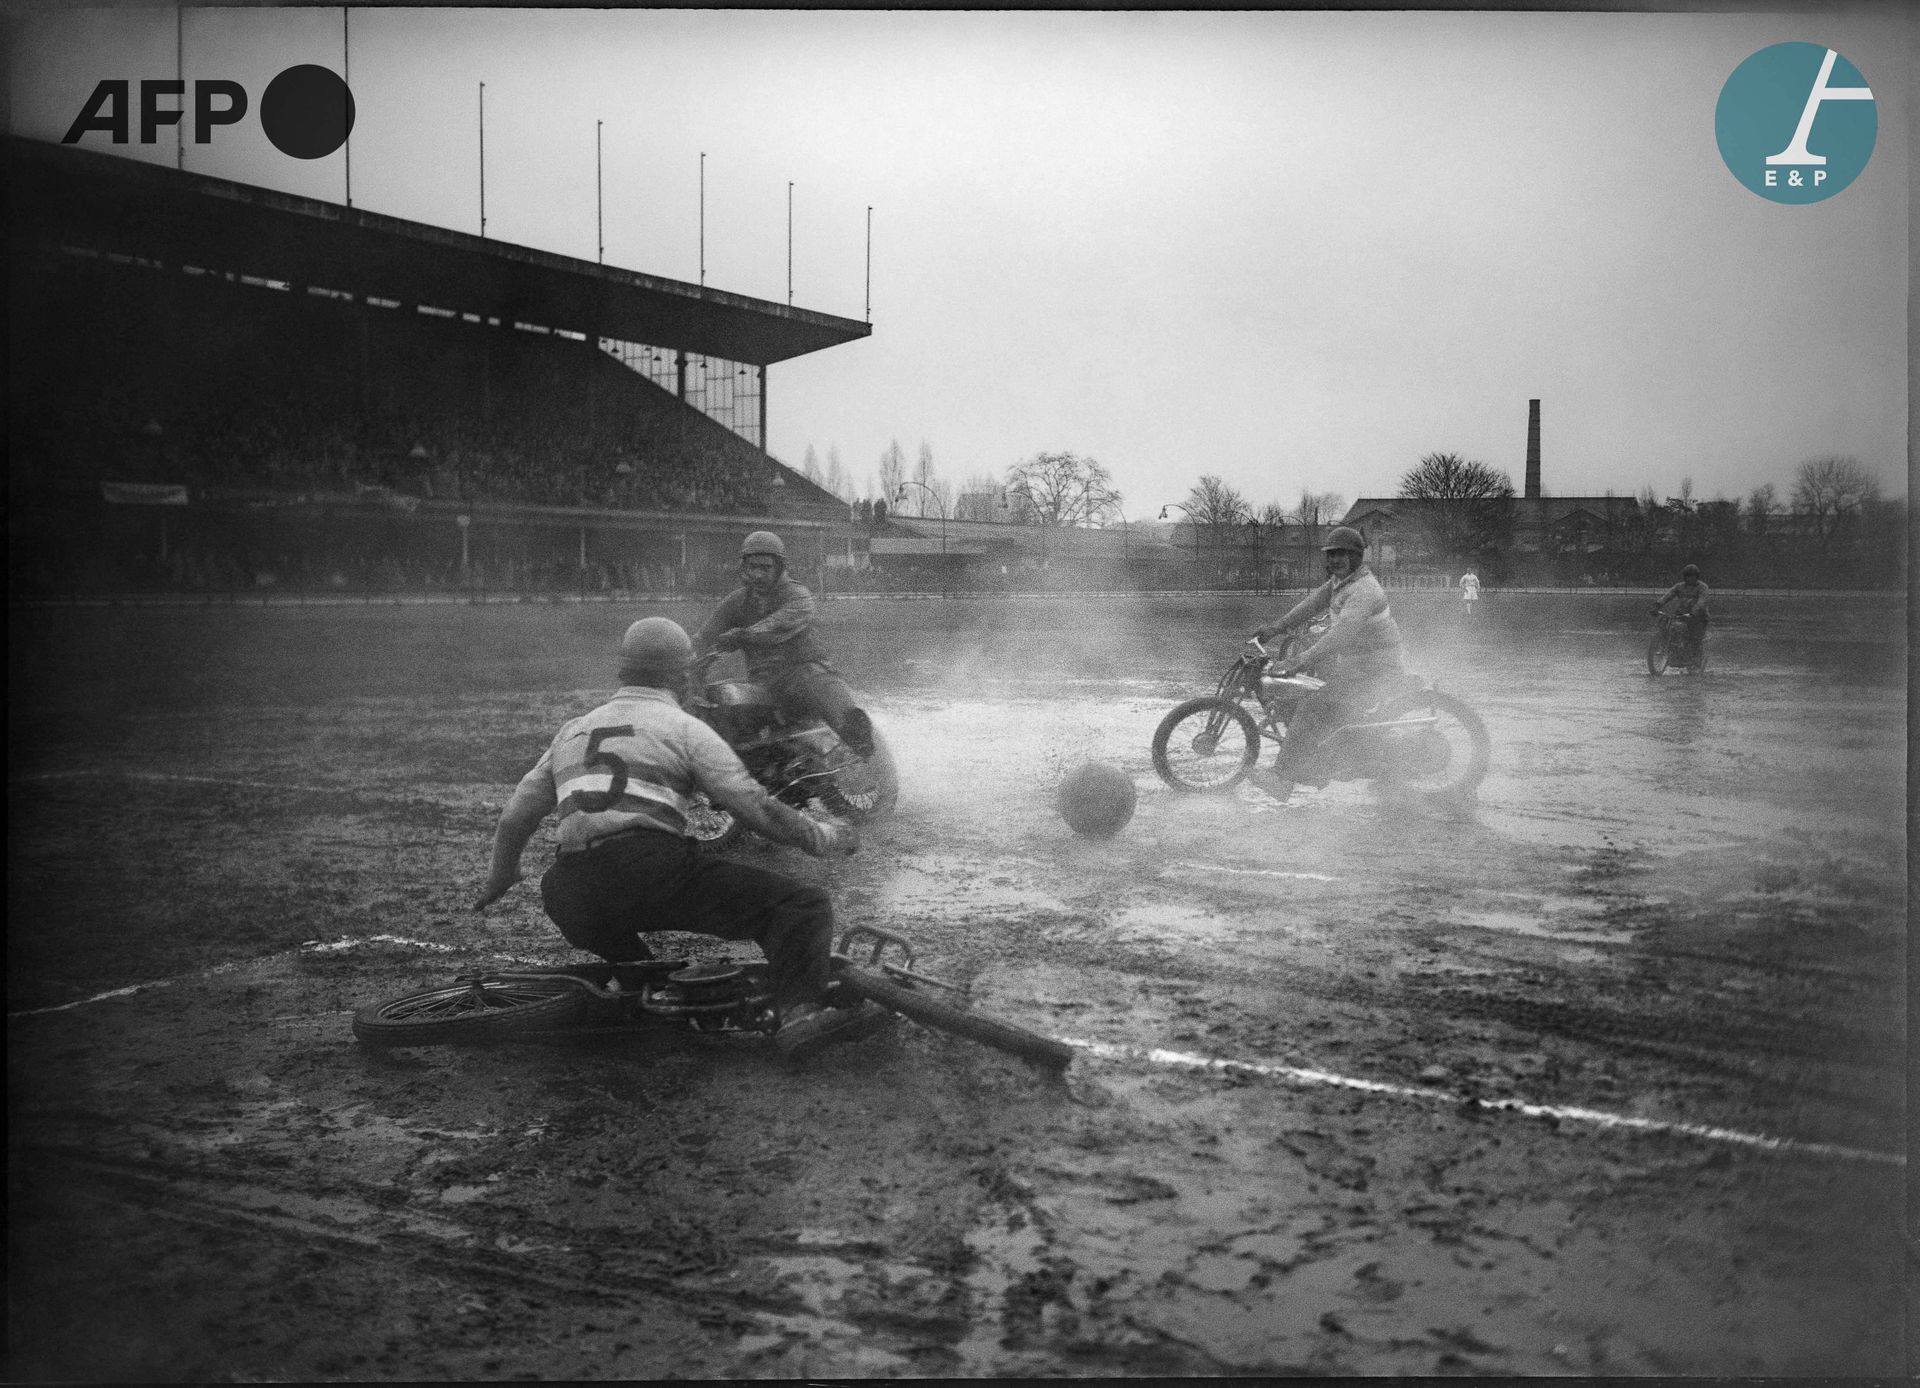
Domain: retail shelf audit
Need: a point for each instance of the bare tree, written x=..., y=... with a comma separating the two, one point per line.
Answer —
x=1213, y=502
x=1761, y=503
x=1467, y=507
x=1061, y=489
x=1319, y=508
x=836, y=479
x=1833, y=492
x=810, y=466
x=893, y=471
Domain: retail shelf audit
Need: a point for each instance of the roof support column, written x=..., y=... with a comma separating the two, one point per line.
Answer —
x=765, y=451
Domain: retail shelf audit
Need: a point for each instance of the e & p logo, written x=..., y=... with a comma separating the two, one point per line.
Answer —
x=306, y=111
x=1796, y=122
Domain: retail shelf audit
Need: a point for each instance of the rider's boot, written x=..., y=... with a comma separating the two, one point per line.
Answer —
x=856, y=731
x=807, y=1027
x=1271, y=782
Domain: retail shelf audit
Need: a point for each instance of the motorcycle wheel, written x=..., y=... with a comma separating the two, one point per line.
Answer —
x=715, y=830
x=868, y=789
x=485, y=1010
x=1443, y=761
x=1205, y=744
x=909, y=1001
x=1657, y=654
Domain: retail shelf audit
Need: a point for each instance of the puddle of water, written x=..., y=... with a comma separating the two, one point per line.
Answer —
x=1549, y=918
x=1533, y=924
x=967, y=884
x=1165, y=921
x=1221, y=1272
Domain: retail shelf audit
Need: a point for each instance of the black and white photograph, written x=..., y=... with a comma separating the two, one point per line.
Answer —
x=958, y=693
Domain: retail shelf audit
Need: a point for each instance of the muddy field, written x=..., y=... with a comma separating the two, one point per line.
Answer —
x=1606, y=1076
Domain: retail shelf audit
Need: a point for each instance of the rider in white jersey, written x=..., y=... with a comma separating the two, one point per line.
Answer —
x=622, y=778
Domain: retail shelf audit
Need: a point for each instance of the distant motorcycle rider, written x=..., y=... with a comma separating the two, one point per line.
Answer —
x=769, y=620
x=1689, y=597
x=622, y=778
x=1364, y=638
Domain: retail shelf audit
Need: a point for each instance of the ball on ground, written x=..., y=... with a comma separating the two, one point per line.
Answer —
x=1096, y=800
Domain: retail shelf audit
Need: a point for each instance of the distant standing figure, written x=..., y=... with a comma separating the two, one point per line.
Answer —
x=1469, y=590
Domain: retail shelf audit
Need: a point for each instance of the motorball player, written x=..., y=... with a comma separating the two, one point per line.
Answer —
x=622, y=778
x=1364, y=638
x=769, y=620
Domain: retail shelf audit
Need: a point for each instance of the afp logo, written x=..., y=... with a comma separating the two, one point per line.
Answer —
x=307, y=111
x=1796, y=122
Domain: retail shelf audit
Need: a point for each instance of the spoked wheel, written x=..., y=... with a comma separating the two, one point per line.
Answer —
x=1205, y=744
x=923, y=1006
x=1657, y=654
x=478, y=1010
x=868, y=788
x=1443, y=751
x=715, y=830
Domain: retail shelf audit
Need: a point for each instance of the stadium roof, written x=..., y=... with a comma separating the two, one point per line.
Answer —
x=59, y=195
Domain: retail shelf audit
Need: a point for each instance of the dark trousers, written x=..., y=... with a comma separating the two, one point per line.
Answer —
x=815, y=690
x=603, y=899
x=1353, y=687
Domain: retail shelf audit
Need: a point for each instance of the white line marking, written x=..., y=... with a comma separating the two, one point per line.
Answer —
x=1256, y=872
x=97, y=997
x=346, y=942
x=195, y=780
x=1582, y=1115
x=308, y=947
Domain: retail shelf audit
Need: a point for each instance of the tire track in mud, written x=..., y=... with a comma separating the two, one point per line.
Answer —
x=749, y=1292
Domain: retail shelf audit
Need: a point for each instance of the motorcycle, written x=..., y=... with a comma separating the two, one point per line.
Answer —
x=1415, y=737
x=1672, y=644
x=798, y=760
x=712, y=997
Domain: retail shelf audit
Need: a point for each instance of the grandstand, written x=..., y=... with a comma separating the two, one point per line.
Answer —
x=215, y=386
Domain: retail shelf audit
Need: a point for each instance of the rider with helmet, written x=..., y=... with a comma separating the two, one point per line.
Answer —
x=1364, y=637
x=1690, y=598
x=769, y=620
x=622, y=777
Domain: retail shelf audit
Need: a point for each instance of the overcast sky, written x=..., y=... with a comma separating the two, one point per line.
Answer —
x=1297, y=250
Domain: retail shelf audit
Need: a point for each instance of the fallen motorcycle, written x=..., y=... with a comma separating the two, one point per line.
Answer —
x=798, y=760
x=1416, y=738
x=1672, y=645
x=709, y=996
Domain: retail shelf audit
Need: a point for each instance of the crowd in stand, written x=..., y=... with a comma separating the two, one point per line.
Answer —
x=262, y=391
x=289, y=443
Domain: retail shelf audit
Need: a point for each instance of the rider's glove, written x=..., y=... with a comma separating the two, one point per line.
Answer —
x=835, y=837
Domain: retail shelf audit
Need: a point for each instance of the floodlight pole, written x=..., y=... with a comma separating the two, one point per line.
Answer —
x=599, y=198
x=346, y=79
x=483, y=159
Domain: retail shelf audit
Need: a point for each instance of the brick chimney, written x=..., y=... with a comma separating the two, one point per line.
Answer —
x=1533, y=450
